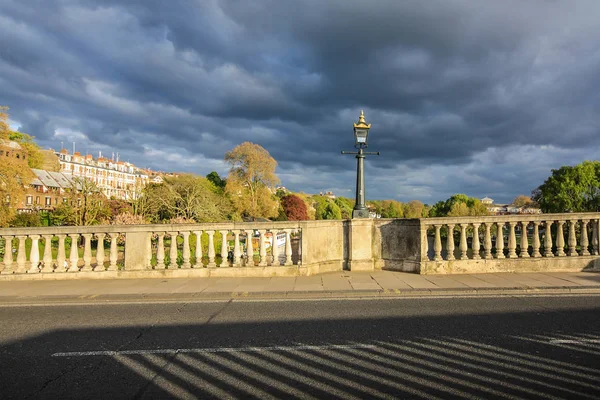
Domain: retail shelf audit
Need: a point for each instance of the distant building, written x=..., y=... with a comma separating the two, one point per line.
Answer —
x=118, y=179
x=47, y=190
x=9, y=148
x=503, y=209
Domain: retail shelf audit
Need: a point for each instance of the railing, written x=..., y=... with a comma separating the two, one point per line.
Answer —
x=148, y=247
x=463, y=239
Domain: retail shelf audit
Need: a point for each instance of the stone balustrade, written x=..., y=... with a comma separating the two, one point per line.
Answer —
x=135, y=250
x=543, y=242
x=509, y=243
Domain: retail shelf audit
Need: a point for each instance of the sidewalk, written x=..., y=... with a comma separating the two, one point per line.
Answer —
x=344, y=284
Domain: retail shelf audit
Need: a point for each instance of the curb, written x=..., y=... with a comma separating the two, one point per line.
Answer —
x=298, y=295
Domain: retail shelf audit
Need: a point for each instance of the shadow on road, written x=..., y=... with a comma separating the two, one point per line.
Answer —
x=521, y=354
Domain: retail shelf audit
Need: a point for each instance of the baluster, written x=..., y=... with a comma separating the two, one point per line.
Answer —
x=114, y=252
x=275, y=249
x=237, y=253
x=149, y=251
x=536, y=240
x=584, y=238
x=100, y=252
x=8, y=256
x=288, y=247
x=263, y=248
x=224, y=261
x=524, y=241
x=595, y=237
x=500, y=240
x=249, y=248
x=198, y=252
x=34, y=254
x=548, y=239
x=61, y=256
x=476, y=245
x=74, y=255
x=21, y=256
x=450, y=243
x=560, y=239
x=186, y=250
x=47, y=259
x=87, y=252
x=487, y=243
x=437, y=244
x=211, y=249
x=512, y=240
x=463, y=241
x=160, y=251
x=572, y=250
x=173, y=251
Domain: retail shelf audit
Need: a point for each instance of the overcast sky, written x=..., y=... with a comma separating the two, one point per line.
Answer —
x=475, y=97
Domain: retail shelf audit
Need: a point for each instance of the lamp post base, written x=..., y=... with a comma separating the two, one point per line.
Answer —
x=360, y=213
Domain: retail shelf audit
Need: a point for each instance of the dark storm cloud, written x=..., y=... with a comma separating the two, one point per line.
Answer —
x=476, y=97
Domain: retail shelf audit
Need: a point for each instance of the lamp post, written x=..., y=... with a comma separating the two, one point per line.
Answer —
x=361, y=134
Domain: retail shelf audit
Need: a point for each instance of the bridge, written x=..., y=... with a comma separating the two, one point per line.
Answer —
x=507, y=243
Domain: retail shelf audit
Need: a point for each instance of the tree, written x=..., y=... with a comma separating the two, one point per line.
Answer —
x=4, y=127
x=345, y=207
x=216, y=180
x=413, y=209
x=570, y=189
x=294, y=208
x=251, y=181
x=458, y=205
x=188, y=197
x=14, y=176
x=522, y=201
x=86, y=205
x=35, y=156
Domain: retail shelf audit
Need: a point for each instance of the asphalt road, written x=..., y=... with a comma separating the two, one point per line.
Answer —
x=510, y=347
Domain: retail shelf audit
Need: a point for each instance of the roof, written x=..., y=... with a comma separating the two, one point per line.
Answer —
x=54, y=179
x=11, y=144
x=44, y=178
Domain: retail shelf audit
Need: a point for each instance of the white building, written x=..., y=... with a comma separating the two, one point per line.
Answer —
x=118, y=179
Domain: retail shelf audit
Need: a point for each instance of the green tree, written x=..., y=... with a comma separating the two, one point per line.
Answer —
x=251, y=181
x=570, y=189
x=216, y=180
x=188, y=197
x=86, y=205
x=413, y=209
x=458, y=205
x=345, y=207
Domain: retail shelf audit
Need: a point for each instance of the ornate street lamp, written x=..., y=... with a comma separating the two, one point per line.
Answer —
x=361, y=135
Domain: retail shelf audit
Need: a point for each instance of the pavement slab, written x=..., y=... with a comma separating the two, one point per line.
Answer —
x=472, y=281
x=446, y=282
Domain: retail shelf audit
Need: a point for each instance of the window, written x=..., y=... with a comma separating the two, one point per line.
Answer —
x=37, y=199
x=29, y=200
x=48, y=201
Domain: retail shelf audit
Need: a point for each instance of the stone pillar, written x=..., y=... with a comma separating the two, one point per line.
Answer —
x=512, y=240
x=524, y=242
x=8, y=256
x=536, y=240
x=360, y=249
x=224, y=261
x=73, y=254
x=173, y=251
x=463, y=241
x=275, y=250
x=500, y=240
x=450, y=242
x=437, y=244
x=100, y=252
x=198, y=252
x=87, y=252
x=160, y=251
x=476, y=245
x=211, y=249
x=61, y=256
x=548, y=240
x=249, y=249
x=584, y=238
x=236, y=249
x=487, y=243
x=572, y=238
x=263, y=249
x=21, y=256
x=560, y=239
x=34, y=254
x=47, y=259
x=185, y=253
x=288, y=247
x=114, y=252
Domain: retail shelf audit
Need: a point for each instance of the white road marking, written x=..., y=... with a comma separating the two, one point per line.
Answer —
x=211, y=350
x=573, y=341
